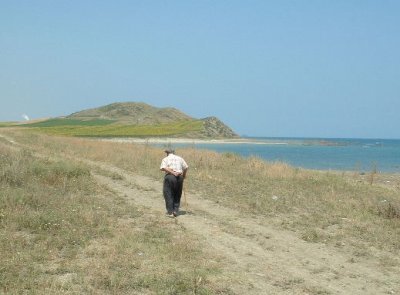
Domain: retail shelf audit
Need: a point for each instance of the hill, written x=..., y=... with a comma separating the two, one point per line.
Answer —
x=135, y=119
x=132, y=112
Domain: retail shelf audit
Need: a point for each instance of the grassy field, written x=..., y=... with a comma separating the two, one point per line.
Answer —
x=311, y=202
x=6, y=124
x=69, y=122
x=105, y=128
x=60, y=233
x=60, y=226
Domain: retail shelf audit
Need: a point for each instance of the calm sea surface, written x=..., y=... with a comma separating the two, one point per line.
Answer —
x=323, y=154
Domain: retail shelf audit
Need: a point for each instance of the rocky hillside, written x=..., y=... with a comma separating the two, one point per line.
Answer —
x=138, y=113
x=213, y=127
x=132, y=112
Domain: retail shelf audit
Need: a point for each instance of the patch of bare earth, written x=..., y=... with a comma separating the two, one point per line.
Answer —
x=261, y=258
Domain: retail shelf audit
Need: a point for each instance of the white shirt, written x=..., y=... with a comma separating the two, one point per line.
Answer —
x=174, y=162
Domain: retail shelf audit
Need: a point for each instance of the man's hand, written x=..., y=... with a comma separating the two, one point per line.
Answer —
x=170, y=171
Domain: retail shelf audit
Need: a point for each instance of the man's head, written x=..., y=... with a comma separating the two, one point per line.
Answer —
x=169, y=151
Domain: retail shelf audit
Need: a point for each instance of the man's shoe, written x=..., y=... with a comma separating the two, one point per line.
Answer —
x=175, y=214
x=170, y=215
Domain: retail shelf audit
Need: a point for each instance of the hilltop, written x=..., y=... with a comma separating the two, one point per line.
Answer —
x=132, y=112
x=135, y=119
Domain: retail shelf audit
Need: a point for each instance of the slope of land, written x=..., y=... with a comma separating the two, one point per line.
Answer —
x=132, y=119
x=325, y=238
x=130, y=112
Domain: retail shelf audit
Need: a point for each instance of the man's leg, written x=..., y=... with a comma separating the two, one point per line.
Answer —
x=178, y=193
x=168, y=191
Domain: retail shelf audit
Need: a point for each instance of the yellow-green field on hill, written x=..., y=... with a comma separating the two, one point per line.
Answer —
x=107, y=129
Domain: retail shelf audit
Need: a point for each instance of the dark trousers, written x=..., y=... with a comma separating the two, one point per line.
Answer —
x=172, y=191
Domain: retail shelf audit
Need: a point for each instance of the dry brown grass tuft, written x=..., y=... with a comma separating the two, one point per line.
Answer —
x=389, y=210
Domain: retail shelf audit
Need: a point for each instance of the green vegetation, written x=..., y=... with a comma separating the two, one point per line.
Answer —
x=56, y=122
x=102, y=128
x=133, y=113
x=6, y=124
x=129, y=120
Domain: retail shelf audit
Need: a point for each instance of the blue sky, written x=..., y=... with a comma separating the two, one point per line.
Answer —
x=266, y=68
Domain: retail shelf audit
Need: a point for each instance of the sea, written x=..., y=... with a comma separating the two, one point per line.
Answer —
x=343, y=154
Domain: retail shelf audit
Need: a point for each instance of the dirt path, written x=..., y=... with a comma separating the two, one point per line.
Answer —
x=261, y=259
x=264, y=260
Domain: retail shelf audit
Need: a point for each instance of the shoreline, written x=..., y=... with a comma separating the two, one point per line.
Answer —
x=156, y=140
x=188, y=142
x=386, y=179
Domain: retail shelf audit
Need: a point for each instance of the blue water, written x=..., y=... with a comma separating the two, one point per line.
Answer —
x=322, y=154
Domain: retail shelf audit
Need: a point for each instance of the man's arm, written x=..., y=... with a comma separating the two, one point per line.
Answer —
x=164, y=167
x=170, y=171
x=184, y=172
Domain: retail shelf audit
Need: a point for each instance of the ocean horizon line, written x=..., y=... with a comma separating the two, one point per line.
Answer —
x=317, y=138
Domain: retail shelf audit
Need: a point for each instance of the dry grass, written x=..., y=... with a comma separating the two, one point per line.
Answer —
x=322, y=206
x=62, y=234
x=338, y=206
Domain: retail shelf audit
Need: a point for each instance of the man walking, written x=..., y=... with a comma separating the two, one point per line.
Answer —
x=175, y=169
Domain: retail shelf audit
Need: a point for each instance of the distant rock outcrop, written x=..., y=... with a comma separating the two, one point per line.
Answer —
x=213, y=127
